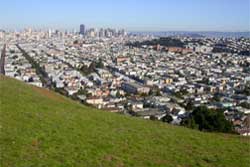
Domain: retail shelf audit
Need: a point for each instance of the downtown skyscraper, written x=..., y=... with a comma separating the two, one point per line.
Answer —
x=82, y=29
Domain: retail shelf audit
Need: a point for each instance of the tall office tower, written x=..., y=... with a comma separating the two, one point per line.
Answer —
x=82, y=29
x=91, y=32
x=101, y=33
x=122, y=32
x=50, y=33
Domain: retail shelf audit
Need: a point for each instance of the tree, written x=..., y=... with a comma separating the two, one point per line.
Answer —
x=167, y=118
x=246, y=121
x=87, y=70
x=12, y=51
x=190, y=123
x=216, y=97
x=92, y=67
x=75, y=42
x=155, y=91
x=153, y=118
x=245, y=105
x=143, y=94
x=118, y=94
x=158, y=92
x=178, y=95
x=246, y=91
x=31, y=79
x=15, y=57
x=100, y=64
x=189, y=106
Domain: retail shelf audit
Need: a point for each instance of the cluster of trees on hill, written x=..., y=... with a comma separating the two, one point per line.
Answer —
x=205, y=119
x=166, y=41
x=217, y=49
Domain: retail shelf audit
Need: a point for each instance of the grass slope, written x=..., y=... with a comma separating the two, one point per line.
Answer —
x=40, y=128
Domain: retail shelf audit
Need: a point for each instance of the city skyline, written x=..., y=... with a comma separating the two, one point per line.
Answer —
x=192, y=15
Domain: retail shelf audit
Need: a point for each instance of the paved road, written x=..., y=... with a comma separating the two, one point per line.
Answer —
x=2, y=60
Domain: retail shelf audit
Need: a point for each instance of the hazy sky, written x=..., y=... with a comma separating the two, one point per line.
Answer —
x=134, y=15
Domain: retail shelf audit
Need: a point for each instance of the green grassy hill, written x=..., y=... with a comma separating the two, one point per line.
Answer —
x=40, y=128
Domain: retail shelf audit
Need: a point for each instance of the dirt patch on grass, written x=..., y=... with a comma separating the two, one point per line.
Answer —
x=108, y=158
x=49, y=94
x=115, y=160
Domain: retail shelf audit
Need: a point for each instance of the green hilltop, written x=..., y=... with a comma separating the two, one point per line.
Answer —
x=41, y=128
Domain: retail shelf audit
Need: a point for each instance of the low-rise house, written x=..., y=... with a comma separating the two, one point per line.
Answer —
x=94, y=100
x=146, y=113
x=135, y=88
x=136, y=105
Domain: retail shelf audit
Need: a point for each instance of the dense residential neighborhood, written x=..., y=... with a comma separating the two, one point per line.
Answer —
x=138, y=75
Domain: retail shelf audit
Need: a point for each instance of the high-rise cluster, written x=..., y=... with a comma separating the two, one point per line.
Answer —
x=108, y=32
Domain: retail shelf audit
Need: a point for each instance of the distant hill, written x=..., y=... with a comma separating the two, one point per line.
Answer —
x=197, y=34
x=41, y=128
x=164, y=41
